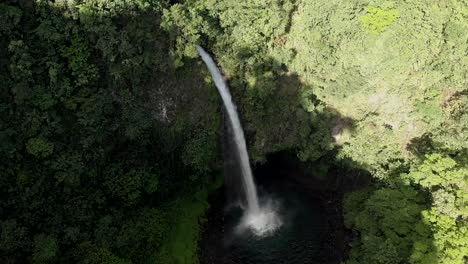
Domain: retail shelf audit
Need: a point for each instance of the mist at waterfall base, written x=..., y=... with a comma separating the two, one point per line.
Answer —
x=301, y=239
x=261, y=219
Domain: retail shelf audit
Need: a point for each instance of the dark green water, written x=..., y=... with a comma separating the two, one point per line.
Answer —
x=312, y=232
x=296, y=241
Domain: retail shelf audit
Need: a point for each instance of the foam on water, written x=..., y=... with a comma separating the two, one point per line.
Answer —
x=263, y=223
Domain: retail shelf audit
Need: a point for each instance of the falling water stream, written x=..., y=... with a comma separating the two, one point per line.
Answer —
x=262, y=220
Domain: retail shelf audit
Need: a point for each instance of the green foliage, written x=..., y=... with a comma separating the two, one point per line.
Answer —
x=13, y=236
x=39, y=147
x=45, y=249
x=103, y=256
x=388, y=230
x=397, y=85
x=449, y=237
x=446, y=179
x=414, y=229
x=188, y=24
x=129, y=187
x=237, y=26
x=10, y=16
x=181, y=244
x=93, y=153
x=378, y=19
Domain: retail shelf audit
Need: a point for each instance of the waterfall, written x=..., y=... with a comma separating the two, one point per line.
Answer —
x=261, y=220
x=247, y=179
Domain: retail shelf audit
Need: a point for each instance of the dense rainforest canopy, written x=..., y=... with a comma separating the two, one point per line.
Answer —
x=110, y=125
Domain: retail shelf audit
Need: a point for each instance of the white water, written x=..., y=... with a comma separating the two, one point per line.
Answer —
x=260, y=220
